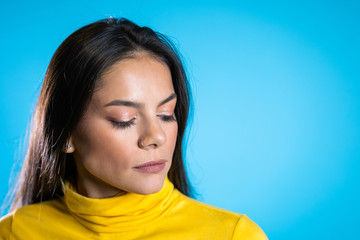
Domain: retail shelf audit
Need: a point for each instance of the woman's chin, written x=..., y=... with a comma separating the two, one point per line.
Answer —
x=147, y=188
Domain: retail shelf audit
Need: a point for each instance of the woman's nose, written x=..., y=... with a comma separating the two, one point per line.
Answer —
x=153, y=135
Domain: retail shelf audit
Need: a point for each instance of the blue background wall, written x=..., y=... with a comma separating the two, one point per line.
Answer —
x=276, y=88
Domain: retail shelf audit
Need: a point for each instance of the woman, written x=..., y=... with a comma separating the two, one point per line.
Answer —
x=105, y=154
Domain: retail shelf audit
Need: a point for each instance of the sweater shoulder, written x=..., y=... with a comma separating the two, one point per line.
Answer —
x=5, y=226
x=28, y=219
x=234, y=225
x=37, y=211
x=247, y=229
x=210, y=210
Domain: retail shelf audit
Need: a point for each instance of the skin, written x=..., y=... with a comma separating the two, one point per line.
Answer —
x=106, y=155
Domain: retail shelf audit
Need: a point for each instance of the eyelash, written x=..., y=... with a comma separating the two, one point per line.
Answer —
x=124, y=125
x=168, y=118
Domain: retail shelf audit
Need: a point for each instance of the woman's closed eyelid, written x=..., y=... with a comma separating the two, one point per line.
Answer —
x=166, y=117
x=123, y=124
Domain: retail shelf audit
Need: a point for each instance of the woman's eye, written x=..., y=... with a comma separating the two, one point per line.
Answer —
x=123, y=125
x=168, y=118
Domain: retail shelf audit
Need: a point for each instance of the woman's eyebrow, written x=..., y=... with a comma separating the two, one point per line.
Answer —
x=125, y=103
x=168, y=99
x=118, y=102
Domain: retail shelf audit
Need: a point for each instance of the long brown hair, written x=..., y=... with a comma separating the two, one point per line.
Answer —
x=70, y=80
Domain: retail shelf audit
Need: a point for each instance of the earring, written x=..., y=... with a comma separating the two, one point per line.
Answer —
x=69, y=146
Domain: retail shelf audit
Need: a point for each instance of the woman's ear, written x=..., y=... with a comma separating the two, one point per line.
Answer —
x=69, y=146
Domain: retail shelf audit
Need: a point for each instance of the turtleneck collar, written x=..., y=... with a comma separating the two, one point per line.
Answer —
x=123, y=213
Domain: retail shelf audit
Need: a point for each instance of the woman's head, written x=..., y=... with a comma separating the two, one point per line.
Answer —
x=129, y=122
x=108, y=81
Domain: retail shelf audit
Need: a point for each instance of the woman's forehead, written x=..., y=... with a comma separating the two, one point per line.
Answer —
x=136, y=79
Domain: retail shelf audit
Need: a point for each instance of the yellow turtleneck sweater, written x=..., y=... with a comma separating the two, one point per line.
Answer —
x=167, y=214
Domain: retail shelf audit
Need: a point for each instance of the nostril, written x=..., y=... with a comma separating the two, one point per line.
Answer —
x=141, y=143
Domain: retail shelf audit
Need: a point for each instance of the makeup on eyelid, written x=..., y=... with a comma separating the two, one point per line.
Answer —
x=126, y=114
x=131, y=122
x=121, y=115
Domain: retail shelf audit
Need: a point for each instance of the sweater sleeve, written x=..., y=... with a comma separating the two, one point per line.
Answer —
x=5, y=226
x=248, y=230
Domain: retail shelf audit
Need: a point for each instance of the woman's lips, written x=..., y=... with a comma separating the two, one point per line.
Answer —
x=151, y=167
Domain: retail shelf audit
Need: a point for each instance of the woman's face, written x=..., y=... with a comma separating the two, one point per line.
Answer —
x=126, y=139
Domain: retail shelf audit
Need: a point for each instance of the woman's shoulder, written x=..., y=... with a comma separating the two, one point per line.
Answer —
x=203, y=215
x=36, y=209
x=247, y=229
x=201, y=208
x=24, y=217
x=5, y=226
